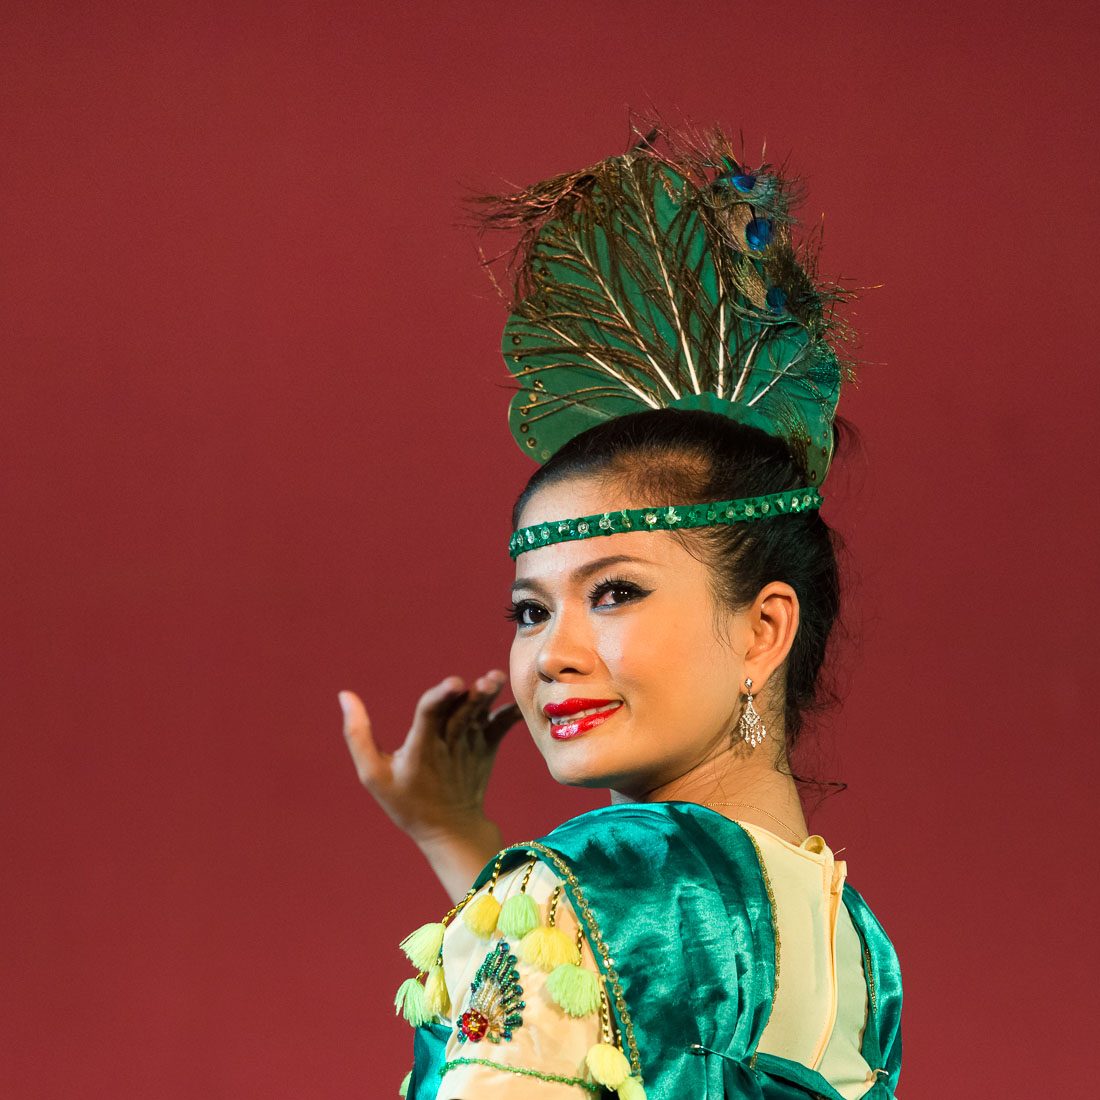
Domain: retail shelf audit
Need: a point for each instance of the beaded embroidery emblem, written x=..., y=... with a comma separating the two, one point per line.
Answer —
x=495, y=999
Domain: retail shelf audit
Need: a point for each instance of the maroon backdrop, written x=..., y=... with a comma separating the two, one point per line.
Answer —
x=255, y=452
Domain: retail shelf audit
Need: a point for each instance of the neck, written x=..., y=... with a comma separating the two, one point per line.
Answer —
x=753, y=786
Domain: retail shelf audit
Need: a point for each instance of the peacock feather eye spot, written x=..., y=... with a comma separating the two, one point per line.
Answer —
x=758, y=234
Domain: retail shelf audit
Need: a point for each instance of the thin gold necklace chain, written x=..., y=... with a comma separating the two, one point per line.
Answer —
x=759, y=809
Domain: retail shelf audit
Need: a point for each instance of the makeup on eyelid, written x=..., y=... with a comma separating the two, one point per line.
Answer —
x=631, y=590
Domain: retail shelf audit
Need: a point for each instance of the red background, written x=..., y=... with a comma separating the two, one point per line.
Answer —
x=254, y=452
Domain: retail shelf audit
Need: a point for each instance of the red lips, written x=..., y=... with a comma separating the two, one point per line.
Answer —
x=571, y=706
x=564, y=731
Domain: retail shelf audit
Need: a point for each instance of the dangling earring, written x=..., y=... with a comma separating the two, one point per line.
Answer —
x=750, y=725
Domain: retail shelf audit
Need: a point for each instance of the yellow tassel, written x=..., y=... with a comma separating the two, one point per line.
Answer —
x=631, y=1089
x=409, y=1002
x=518, y=915
x=422, y=946
x=575, y=988
x=547, y=949
x=437, y=1000
x=481, y=914
x=608, y=1065
x=404, y=1089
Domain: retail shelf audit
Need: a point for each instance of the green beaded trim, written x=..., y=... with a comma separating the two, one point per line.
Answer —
x=677, y=517
x=552, y=1077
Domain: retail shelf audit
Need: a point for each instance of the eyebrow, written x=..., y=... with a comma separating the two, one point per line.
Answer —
x=582, y=572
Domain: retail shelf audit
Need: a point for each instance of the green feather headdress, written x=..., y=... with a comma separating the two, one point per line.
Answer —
x=667, y=279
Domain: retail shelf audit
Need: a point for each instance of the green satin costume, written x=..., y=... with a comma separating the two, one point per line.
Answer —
x=677, y=895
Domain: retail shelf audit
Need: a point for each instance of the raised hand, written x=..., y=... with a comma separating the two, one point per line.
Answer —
x=433, y=787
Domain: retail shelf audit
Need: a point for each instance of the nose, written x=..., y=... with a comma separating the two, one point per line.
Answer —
x=567, y=648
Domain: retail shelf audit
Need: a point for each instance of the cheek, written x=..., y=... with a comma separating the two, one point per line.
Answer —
x=690, y=670
x=521, y=673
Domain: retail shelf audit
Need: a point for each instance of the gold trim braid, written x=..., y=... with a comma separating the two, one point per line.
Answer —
x=775, y=928
x=602, y=951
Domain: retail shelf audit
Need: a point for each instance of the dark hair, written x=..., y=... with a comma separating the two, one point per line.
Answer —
x=679, y=456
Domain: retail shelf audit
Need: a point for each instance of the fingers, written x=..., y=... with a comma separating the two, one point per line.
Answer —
x=500, y=722
x=470, y=718
x=433, y=710
x=359, y=736
x=440, y=701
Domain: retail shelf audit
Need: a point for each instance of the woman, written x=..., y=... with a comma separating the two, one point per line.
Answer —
x=675, y=591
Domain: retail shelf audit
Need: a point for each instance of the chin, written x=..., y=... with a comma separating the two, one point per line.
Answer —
x=573, y=768
x=572, y=779
x=569, y=763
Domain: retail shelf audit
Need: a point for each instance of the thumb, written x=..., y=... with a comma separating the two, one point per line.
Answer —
x=359, y=736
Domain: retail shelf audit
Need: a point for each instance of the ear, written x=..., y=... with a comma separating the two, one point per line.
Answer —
x=773, y=619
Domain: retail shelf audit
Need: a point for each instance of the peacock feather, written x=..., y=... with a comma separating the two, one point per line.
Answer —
x=667, y=278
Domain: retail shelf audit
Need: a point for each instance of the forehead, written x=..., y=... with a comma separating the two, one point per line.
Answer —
x=585, y=497
x=575, y=496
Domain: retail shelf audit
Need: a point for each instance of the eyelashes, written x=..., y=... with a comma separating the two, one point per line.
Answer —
x=515, y=611
x=525, y=612
x=627, y=589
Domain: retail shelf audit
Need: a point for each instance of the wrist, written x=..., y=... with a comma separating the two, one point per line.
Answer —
x=458, y=853
x=476, y=831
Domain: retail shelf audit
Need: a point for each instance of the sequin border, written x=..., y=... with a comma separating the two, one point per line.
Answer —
x=775, y=929
x=603, y=951
x=673, y=518
x=870, y=980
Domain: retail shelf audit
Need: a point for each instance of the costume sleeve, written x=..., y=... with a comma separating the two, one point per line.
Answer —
x=510, y=1037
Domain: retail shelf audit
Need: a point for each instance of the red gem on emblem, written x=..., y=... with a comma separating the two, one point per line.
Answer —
x=473, y=1025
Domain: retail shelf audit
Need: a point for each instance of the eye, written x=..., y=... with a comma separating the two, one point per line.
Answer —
x=612, y=592
x=526, y=613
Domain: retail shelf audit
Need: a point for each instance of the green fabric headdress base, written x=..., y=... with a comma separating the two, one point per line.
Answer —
x=677, y=517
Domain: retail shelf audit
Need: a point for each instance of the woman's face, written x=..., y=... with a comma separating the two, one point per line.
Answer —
x=626, y=671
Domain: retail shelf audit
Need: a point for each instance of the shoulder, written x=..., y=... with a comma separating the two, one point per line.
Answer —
x=675, y=906
x=652, y=869
x=657, y=854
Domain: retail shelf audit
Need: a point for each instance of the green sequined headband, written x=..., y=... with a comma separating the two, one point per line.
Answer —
x=677, y=517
